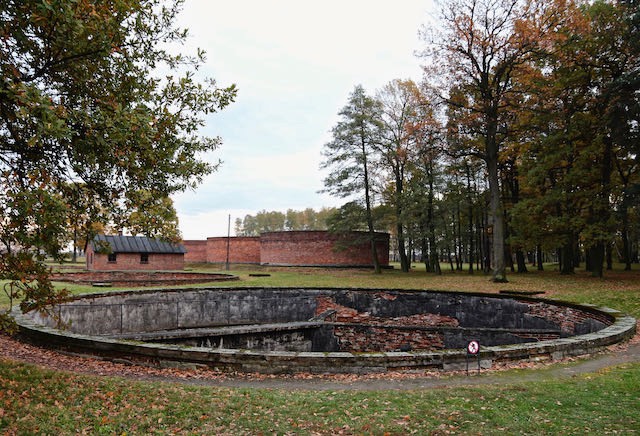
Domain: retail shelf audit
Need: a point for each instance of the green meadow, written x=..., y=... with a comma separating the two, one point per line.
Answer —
x=34, y=400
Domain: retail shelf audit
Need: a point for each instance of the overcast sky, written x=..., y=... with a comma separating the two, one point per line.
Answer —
x=295, y=63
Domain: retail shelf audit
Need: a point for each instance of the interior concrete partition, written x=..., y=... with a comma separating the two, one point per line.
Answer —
x=288, y=330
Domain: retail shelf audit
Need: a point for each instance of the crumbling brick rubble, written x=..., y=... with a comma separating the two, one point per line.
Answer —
x=362, y=332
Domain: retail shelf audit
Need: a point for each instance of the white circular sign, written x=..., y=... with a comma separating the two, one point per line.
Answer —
x=473, y=347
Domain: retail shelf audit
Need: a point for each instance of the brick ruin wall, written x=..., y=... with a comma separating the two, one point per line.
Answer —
x=196, y=251
x=358, y=331
x=319, y=248
x=292, y=248
x=242, y=249
x=361, y=332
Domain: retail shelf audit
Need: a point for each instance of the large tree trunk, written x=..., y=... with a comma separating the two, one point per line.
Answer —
x=539, y=256
x=367, y=197
x=626, y=246
x=496, y=217
x=521, y=261
x=486, y=245
x=75, y=244
x=458, y=239
x=374, y=249
x=424, y=248
x=470, y=213
x=434, y=259
x=567, y=257
x=508, y=257
x=596, y=259
x=402, y=249
x=405, y=264
x=602, y=209
x=433, y=254
x=471, y=238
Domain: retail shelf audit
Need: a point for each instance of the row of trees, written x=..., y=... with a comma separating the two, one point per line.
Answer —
x=274, y=221
x=522, y=140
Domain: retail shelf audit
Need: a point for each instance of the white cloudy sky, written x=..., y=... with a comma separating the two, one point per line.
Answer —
x=295, y=63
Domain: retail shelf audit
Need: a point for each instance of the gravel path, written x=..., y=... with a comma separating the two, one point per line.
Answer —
x=13, y=350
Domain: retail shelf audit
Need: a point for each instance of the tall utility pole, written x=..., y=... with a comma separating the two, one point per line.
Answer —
x=228, y=241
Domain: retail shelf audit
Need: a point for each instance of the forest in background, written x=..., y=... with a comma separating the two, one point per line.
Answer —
x=520, y=145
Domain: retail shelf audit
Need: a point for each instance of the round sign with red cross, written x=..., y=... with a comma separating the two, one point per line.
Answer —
x=473, y=347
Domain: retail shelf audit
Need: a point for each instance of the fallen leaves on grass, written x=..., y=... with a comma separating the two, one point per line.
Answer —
x=13, y=349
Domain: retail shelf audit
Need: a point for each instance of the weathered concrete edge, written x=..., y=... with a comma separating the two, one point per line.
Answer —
x=623, y=328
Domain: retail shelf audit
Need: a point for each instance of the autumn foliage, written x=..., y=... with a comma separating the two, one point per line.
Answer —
x=521, y=144
x=90, y=132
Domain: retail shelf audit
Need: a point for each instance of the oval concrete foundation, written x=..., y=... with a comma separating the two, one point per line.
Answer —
x=139, y=278
x=324, y=330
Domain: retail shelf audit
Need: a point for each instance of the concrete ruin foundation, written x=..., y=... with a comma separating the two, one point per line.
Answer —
x=323, y=330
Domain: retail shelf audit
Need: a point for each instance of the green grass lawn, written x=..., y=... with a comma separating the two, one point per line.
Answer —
x=37, y=401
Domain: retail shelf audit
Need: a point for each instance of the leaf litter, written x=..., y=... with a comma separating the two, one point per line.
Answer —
x=15, y=350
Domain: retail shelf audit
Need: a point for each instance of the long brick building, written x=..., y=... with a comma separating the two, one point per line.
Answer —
x=292, y=248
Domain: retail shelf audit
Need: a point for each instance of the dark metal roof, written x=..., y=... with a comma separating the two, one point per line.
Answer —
x=138, y=244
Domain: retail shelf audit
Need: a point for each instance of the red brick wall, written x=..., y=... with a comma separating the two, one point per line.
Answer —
x=242, y=249
x=366, y=339
x=321, y=248
x=362, y=332
x=131, y=261
x=306, y=248
x=196, y=251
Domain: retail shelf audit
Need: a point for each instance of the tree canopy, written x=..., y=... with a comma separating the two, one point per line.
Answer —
x=520, y=145
x=349, y=156
x=274, y=221
x=82, y=101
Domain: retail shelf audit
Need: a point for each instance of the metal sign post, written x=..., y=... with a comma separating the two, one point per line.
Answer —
x=473, y=349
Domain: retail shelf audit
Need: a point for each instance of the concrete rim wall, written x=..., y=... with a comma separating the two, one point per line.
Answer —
x=622, y=328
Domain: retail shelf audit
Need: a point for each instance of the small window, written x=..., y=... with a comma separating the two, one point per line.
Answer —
x=112, y=258
x=144, y=257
